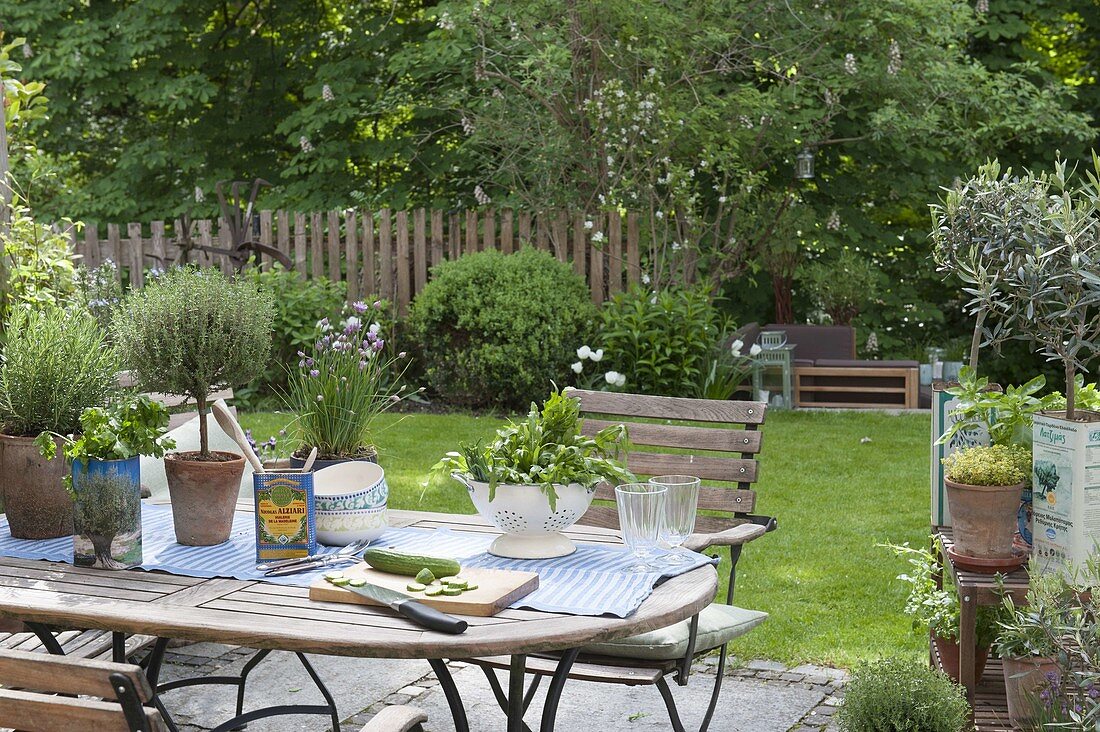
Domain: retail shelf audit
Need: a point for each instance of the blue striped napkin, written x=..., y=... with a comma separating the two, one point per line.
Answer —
x=592, y=581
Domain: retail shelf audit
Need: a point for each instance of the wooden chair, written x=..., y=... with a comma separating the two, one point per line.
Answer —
x=718, y=452
x=397, y=718
x=32, y=681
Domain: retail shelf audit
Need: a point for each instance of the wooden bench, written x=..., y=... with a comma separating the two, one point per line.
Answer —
x=857, y=387
x=32, y=681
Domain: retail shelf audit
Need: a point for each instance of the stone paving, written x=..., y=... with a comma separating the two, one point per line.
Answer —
x=757, y=695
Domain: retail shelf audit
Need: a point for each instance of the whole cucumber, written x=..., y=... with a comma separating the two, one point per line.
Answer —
x=395, y=562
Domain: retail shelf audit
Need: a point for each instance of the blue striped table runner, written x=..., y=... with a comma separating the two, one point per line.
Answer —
x=591, y=581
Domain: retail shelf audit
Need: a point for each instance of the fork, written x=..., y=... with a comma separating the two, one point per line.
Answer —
x=346, y=554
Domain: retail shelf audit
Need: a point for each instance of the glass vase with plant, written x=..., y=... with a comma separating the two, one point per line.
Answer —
x=343, y=385
x=934, y=607
x=55, y=365
x=106, y=477
x=192, y=332
x=539, y=476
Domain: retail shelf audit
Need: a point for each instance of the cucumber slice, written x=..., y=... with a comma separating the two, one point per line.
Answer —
x=434, y=590
x=340, y=581
x=455, y=582
x=470, y=587
x=452, y=591
x=335, y=574
x=356, y=582
x=425, y=576
x=415, y=587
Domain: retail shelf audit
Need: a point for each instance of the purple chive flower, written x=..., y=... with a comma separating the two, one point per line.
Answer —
x=314, y=373
x=359, y=306
x=1094, y=693
x=379, y=344
x=362, y=365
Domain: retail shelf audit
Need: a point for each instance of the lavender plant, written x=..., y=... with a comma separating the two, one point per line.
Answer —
x=344, y=383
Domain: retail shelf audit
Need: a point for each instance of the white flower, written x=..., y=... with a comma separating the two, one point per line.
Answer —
x=577, y=367
x=481, y=196
x=755, y=350
x=598, y=237
x=850, y=63
x=199, y=195
x=305, y=144
x=596, y=355
x=326, y=93
x=445, y=21
x=588, y=226
x=614, y=378
x=645, y=278
x=736, y=347
x=374, y=328
x=894, y=64
x=352, y=322
x=584, y=352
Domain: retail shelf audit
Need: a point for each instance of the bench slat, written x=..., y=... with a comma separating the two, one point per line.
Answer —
x=40, y=713
x=659, y=407
x=44, y=672
x=690, y=438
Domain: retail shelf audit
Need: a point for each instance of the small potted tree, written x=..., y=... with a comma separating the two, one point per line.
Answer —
x=106, y=477
x=192, y=332
x=984, y=485
x=55, y=364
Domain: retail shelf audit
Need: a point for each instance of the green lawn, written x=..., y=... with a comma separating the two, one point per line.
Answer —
x=830, y=591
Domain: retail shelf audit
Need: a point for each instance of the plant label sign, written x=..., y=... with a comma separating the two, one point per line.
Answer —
x=943, y=404
x=1066, y=490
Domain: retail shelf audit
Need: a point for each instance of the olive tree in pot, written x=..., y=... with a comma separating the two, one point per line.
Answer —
x=983, y=492
x=192, y=332
x=55, y=364
x=1028, y=644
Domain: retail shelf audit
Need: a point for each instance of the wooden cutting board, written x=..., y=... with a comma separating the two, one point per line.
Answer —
x=496, y=589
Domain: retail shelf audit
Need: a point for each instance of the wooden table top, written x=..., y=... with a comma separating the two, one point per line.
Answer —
x=263, y=615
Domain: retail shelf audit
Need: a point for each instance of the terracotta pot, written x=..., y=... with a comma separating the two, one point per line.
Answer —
x=949, y=655
x=1025, y=679
x=983, y=518
x=204, y=496
x=35, y=499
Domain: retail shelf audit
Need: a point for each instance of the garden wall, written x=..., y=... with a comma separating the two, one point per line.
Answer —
x=382, y=253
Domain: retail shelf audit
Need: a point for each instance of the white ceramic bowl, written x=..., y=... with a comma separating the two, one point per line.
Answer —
x=349, y=501
x=522, y=512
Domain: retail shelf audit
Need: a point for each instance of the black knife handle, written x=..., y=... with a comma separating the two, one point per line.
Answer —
x=431, y=618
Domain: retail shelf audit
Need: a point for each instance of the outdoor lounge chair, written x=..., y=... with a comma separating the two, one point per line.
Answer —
x=719, y=453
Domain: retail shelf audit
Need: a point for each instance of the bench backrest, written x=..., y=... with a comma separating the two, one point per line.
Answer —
x=31, y=679
x=723, y=441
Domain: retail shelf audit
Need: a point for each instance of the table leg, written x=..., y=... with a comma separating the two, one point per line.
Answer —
x=450, y=691
x=517, y=672
x=49, y=642
x=968, y=619
x=553, y=694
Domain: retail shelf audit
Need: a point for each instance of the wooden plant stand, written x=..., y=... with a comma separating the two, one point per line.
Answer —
x=987, y=698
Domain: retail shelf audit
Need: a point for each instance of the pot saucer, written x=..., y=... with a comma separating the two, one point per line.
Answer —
x=983, y=565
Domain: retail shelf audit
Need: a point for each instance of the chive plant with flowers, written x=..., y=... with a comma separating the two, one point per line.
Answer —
x=344, y=383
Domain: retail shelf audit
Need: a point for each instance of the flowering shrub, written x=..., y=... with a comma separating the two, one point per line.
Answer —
x=496, y=329
x=670, y=342
x=596, y=378
x=995, y=465
x=343, y=383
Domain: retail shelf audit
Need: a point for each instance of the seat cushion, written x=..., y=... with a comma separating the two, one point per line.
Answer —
x=718, y=625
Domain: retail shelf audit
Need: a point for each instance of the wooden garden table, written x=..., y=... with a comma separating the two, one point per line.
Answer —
x=271, y=617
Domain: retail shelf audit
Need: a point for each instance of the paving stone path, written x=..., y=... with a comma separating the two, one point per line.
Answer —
x=757, y=695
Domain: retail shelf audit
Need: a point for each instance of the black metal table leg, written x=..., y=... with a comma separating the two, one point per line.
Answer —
x=118, y=647
x=553, y=693
x=450, y=691
x=49, y=642
x=517, y=670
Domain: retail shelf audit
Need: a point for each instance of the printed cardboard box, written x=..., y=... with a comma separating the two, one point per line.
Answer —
x=1066, y=490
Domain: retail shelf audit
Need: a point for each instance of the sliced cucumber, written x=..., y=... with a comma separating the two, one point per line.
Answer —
x=434, y=590
x=340, y=581
x=335, y=574
x=415, y=587
x=470, y=587
x=452, y=591
x=356, y=582
x=425, y=576
x=455, y=582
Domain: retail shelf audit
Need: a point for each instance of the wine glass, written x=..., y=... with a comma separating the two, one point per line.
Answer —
x=681, y=505
x=641, y=517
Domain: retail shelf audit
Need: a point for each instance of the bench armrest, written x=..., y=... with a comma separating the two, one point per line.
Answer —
x=736, y=536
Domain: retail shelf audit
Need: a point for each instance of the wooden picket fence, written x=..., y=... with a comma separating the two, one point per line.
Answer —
x=386, y=253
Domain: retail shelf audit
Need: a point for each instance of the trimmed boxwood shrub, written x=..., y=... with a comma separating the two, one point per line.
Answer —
x=495, y=329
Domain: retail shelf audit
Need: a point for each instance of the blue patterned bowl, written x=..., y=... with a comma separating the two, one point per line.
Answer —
x=350, y=486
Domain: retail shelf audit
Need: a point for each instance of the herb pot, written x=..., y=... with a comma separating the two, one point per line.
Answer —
x=204, y=496
x=532, y=530
x=107, y=513
x=1025, y=680
x=948, y=649
x=984, y=518
x=35, y=499
x=298, y=463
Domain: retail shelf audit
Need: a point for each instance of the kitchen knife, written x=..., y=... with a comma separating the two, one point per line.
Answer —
x=417, y=612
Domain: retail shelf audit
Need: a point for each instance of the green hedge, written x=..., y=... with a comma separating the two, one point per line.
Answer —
x=496, y=330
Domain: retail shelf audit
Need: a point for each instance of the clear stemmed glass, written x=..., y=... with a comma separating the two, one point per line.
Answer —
x=681, y=505
x=641, y=518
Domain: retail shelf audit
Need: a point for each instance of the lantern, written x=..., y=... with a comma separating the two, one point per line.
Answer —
x=804, y=164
